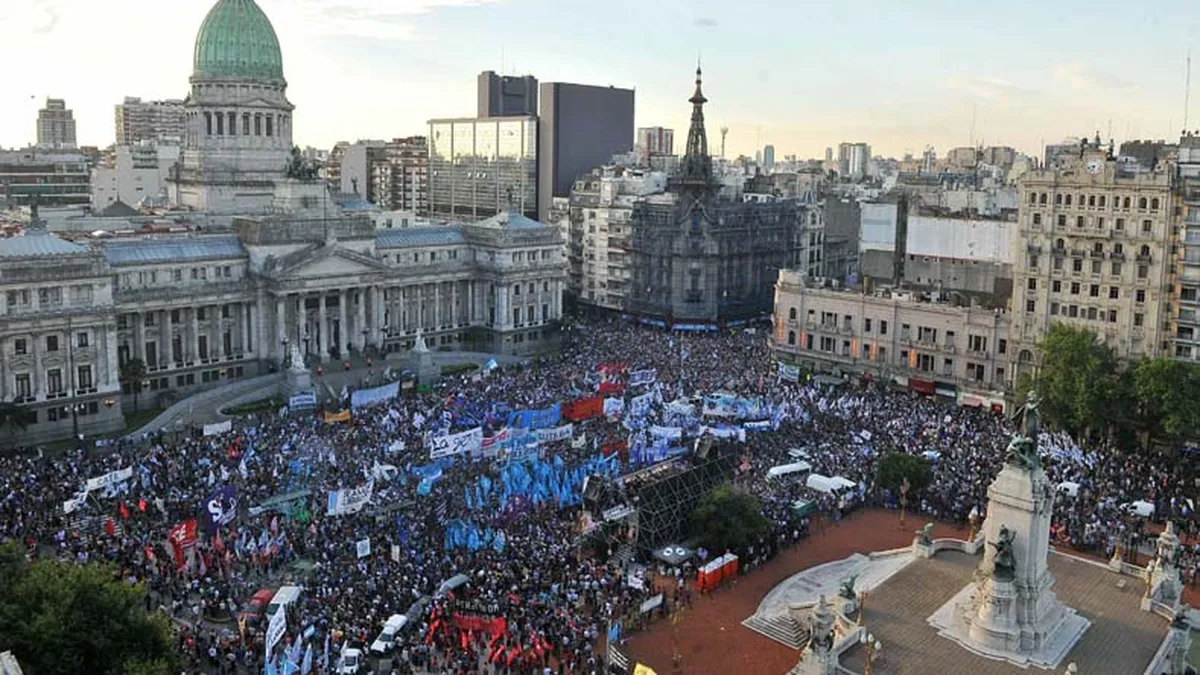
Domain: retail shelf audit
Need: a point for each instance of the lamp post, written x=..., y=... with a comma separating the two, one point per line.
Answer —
x=862, y=606
x=903, y=499
x=873, y=648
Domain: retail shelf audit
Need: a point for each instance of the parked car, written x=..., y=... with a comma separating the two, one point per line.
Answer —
x=350, y=662
x=256, y=607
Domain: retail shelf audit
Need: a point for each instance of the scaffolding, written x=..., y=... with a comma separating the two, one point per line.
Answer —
x=667, y=498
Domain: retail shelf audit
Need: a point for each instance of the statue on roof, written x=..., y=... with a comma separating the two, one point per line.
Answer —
x=1004, y=564
x=301, y=168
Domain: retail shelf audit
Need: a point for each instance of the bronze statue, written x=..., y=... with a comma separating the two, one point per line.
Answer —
x=1004, y=564
x=847, y=588
x=300, y=168
x=1022, y=449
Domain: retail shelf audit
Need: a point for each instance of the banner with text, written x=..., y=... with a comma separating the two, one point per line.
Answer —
x=468, y=442
x=365, y=397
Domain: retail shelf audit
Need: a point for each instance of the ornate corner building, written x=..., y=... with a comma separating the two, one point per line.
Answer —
x=291, y=268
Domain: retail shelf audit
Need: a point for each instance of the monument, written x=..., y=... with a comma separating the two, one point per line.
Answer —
x=819, y=656
x=1165, y=583
x=420, y=362
x=1010, y=612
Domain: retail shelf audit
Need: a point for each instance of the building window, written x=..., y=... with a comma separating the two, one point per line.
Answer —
x=1079, y=221
x=1056, y=286
x=1030, y=306
x=1154, y=204
x=220, y=124
x=516, y=315
x=1147, y=226
x=1037, y=219
x=1054, y=309
x=1068, y=200
x=233, y=124
x=1058, y=200
x=1002, y=346
x=1114, y=293
x=1141, y=202
x=23, y=386
x=1062, y=220
x=1031, y=284
x=866, y=325
x=1102, y=201
x=1120, y=224
x=84, y=373
x=81, y=340
x=245, y=124
x=791, y=339
x=1033, y=261
x=1142, y=271
x=1112, y=316
x=270, y=125
x=792, y=314
x=1058, y=262
x=1115, y=269
x=883, y=327
x=1077, y=265
x=20, y=347
x=258, y=124
x=208, y=124
x=1139, y=319
x=1139, y=296
x=54, y=381
x=51, y=343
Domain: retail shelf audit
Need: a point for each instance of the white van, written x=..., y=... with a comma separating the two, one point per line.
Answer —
x=387, y=637
x=349, y=662
x=285, y=597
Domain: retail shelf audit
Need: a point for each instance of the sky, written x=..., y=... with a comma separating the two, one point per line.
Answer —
x=801, y=75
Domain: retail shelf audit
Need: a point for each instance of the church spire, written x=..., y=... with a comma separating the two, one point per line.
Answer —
x=696, y=167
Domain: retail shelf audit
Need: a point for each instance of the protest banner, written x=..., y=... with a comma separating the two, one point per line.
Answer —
x=276, y=629
x=642, y=377
x=220, y=508
x=218, y=428
x=789, y=373
x=365, y=397
x=583, y=409
x=469, y=442
x=556, y=434
x=363, y=547
x=110, y=479
x=613, y=407
x=345, y=501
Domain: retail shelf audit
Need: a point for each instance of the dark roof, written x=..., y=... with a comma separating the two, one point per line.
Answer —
x=172, y=249
x=441, y=235
x=117, y=209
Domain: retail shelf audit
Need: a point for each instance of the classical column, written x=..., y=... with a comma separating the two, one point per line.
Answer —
x=193, y=335
x=139, y=336
x=164, y=338
x=216, y=341
x=112, y=371
x=454, y=314
x=277, y=339
x=36, y=346
x=322, y=328
x=471, y=302
x=502, y=306
x=377, y=308
x=301, y=319
x=343, y=338
x=5, y=374
x=247, y=310
x=258, y=314
x=556, y=299
x=437, y=305
x=360, y=325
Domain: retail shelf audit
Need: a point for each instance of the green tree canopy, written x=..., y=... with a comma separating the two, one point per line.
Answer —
x=132, y=374
x=894, y=467
x=727, y=518
x=1078, y=381
x=63, y=618
x=1168, y=397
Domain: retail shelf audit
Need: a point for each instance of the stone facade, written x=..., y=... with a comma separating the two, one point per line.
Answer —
x=936, y=348
x=1092, y=251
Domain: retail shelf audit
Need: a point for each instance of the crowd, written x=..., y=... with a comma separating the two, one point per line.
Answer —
x=553, y=592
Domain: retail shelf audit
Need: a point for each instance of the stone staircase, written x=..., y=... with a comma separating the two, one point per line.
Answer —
x=782, y=629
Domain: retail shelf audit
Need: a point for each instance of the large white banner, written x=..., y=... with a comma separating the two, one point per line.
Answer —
x=363, y=547
x=349, y=501
x=639, y=406
x=218, y=428
x=469, y=441
x=613, y=407
x=666, y=433
x=365, y=397
x=789, y=373
x=109, y=479
x=640, y=377
x=276, y=628
x=556, y=434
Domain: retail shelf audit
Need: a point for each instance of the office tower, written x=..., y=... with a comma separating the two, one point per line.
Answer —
x=507, y=95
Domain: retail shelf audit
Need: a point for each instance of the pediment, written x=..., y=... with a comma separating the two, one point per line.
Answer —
x=325, y=263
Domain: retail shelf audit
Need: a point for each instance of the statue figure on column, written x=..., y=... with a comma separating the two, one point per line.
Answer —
x=1022, y=449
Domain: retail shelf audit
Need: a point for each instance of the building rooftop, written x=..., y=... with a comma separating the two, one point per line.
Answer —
x=38, y=243
x=440, y=235
x=176, y=249
x=510, y=219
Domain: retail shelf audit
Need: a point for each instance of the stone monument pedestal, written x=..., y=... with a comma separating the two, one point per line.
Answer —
x=296, y=379
x=420, y=362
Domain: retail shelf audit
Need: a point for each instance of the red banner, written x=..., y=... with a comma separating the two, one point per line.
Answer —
x=583, y=409
x=181, y=537
x=478, y=624
x=612, y=377
x=620, y=447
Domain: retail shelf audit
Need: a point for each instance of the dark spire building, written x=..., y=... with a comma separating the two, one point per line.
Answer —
x=701, y=261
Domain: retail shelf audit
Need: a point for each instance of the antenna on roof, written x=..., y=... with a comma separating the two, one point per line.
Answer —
x=1187, y=88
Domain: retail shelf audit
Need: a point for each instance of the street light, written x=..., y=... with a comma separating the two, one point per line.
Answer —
x=873, y=646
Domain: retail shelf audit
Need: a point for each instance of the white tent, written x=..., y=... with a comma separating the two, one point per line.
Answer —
x=1141, y=507
x=828, y=485
x=785, y=469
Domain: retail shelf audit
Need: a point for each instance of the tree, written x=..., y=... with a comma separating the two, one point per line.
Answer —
x=12, y=416
x=894, y=467
x=1167, y=404
x=60, y=618
x=727, y=518
x=1078, y=381
x=133, y=373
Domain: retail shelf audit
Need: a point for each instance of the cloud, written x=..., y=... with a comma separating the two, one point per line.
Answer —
x=1086, y=78
x=991, y=88
x=380, y=19
x=37, y=18
x=705, y=22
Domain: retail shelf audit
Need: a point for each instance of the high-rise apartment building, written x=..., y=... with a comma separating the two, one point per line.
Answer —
x=136, y=172
x=507, y=95
x=768, y=158
x=481, y=167
x=853, y=159
x=1185, y=322
x=58, y=177
x=1092, y=251
x=399, y=179
x=581, y=127
x=56, y=125
x=654, y=142
x=137, y=120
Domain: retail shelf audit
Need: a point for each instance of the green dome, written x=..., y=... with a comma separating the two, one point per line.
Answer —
x=237, y=40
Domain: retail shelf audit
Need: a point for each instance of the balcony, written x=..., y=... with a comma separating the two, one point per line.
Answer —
x=1143, y=258
x=1117, y=255
x=1078, y=253
x=1100, y=255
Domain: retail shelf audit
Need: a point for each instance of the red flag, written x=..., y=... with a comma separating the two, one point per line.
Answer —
x=110, y=527
x=218, y=543
x=150, y=553
x=463, y=640
x=514, y=653
x=123, y=509
x=142, y=505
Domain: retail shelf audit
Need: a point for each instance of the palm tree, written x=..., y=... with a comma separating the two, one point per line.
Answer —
x=12, y=416
x=133, y=373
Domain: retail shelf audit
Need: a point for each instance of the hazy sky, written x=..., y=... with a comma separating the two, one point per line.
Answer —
x=801, y=75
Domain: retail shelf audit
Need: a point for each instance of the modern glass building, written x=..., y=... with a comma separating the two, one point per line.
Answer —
x=481, y=167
